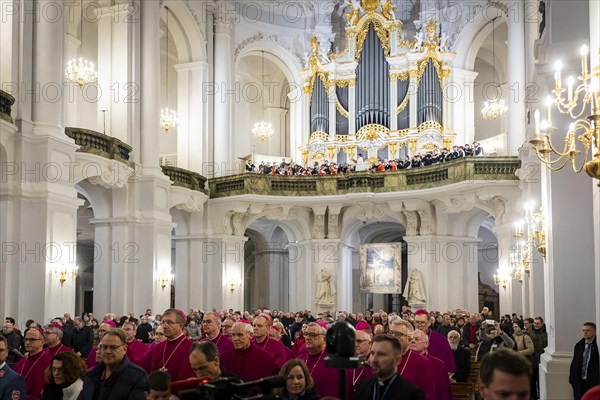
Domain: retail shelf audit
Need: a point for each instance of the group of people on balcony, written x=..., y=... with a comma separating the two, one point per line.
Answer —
x=432, y=157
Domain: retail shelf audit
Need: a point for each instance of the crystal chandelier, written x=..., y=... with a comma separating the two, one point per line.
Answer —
x=262, y=130
x=583, y=132
x=494, y=108
x=81, y=71
x=168, y=117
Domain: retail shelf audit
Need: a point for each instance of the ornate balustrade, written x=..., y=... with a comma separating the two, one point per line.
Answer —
x=102, y=145
x=6, y=103
x=478, y=169
x=184, y=178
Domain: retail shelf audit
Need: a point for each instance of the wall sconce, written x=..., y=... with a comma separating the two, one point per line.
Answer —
x=502, y=278
x=232, y=284
x=166, y=278
x=536, y=228
x=66, y=271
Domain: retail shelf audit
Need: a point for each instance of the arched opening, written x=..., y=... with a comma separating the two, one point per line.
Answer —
x=373, y=233
x=487, y=266
x=260, y=101
x=266, y=266
x=491, y=82
x=86, y=254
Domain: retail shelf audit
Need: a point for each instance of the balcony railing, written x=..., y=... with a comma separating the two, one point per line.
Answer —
x=184, y=178
x=6, y=103
x=102, y=145
x=476, y=169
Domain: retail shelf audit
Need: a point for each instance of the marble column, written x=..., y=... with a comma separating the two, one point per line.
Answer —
x=150, y=90
x=351, y=109
x=516, y=77
x=224, y=90
x=393, y=106
x=462, y=97
x=192, y=111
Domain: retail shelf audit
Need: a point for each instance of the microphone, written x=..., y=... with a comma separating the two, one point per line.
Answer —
x=269, y=382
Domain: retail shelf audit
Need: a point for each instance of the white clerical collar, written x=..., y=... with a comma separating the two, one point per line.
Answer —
x=172, y=340
x=3, y=364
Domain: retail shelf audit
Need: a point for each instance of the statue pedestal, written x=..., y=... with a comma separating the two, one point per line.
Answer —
x=417, y=306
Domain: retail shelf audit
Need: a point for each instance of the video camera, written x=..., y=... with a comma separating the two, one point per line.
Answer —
x=235, y=389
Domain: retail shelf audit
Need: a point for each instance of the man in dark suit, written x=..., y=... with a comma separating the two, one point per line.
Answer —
x=584, y=372
x=386, y=383
x=12, y=385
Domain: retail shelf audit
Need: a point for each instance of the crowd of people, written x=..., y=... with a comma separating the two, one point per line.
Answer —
x=419, y=354
x=432, y=157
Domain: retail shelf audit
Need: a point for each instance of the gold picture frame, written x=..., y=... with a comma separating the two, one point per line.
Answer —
x=381, y=268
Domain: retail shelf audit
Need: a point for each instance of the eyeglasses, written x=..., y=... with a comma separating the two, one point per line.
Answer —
x=313, y=335
x=31, y=339
x=111, y=347
x=399, y=334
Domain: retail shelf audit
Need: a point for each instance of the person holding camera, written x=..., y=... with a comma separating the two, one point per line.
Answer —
x=492, y=338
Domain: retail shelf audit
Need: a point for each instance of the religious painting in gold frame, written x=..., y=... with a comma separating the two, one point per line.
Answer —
x=381, y=268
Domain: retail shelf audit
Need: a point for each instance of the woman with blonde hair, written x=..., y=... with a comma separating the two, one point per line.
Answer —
x=299, y=384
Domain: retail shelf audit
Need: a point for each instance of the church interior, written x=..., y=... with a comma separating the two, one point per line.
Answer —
x=309, y=155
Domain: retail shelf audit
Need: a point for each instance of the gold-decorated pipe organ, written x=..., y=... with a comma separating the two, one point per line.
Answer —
x=381, y=96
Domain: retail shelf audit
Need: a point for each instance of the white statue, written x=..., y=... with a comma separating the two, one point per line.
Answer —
x=443, y=47
x=325, y=289
x=419, y=41
x=414, y=291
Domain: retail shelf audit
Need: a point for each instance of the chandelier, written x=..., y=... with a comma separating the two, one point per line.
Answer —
x=262, y=130
x=494, y=108
x=502, y=278
x=168, y=117
x=583, y=132
x=81, y=71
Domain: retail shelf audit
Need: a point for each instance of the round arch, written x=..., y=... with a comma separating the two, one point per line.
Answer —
x=190, y=43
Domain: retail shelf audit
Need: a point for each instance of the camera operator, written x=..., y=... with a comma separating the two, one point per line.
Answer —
x=492, y=337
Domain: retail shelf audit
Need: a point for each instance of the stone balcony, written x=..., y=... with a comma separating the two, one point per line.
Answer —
x=184, y=178
x=6, y=103
x=99, y=144
x=469, y=169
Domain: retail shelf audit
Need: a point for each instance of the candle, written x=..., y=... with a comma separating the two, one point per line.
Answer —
x=536, y=118
x=570, y=81
x=549, y=110
x=584, y=53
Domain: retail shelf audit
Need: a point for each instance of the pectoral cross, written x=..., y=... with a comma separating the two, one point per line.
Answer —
x=163, y=369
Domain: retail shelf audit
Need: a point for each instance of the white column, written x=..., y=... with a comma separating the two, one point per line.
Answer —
x=516, y=77
x=510, y=296
x=48, y=64
x=595, y=61
x=223, y=91
x=462, y=97
x=393, y=105
x=150, y=81
x=191, y=111
x=562, y=280
x=115, y=78
x=412, y=104
x=331, y=101
x=351, y=109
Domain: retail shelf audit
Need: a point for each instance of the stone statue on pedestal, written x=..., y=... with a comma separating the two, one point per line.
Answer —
x=414, y=291
x=325, y=290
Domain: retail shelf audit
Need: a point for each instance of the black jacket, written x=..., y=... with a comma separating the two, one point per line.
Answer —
x=127, y=381
x=83, y=340
x=593, y=372
x=400, y=389
x=462, y=357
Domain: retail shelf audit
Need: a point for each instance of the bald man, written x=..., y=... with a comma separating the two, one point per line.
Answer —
x=33, y=366
x=419, y=343
x=247, y=360
x=262, y=325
